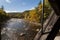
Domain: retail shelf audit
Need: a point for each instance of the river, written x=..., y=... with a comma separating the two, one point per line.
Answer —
x=17, y=29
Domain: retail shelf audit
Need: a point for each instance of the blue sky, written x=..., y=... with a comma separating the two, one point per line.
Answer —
x=18, y=5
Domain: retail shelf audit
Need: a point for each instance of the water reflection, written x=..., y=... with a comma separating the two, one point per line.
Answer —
x=18, y=29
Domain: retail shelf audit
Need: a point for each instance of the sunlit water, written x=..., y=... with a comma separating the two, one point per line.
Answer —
x=17, y=29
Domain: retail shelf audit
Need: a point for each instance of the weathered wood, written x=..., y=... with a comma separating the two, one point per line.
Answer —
x=54, y=30
x=46, y=23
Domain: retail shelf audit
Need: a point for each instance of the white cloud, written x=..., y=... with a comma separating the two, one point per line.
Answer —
x=8, y=1
x=32, y=8
x=12, y=11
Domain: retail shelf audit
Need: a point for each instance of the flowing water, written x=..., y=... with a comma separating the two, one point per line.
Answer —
x=17, y=29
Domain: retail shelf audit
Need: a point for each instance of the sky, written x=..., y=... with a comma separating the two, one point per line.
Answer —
x=18, y=5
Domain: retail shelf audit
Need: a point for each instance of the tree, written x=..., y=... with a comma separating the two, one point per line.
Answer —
x=26, y=14
x=40, y=10
x=33, y=16
x=3, y=16
x=47, y=9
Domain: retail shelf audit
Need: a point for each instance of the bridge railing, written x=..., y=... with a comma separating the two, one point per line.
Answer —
x=47, y=24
